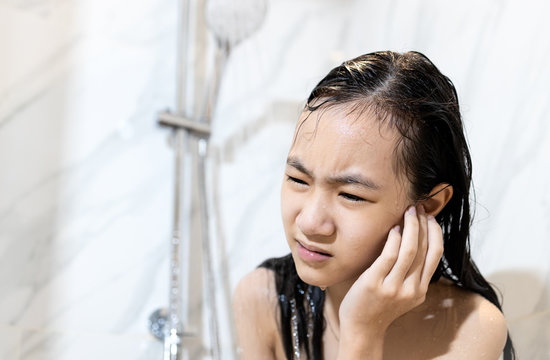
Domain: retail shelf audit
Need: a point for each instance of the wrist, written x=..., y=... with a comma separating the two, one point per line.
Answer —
x=359, y=345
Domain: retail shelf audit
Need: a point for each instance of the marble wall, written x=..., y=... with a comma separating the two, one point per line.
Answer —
x=86, y=175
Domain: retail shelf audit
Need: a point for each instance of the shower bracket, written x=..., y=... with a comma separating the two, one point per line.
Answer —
x=180, y=122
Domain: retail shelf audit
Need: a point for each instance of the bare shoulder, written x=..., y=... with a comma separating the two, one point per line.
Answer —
x=453, y=323
x=477, y=327
x=482, y=333
x=257, y=289
x=255, y=313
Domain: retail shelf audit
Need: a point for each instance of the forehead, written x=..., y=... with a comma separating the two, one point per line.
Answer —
x=336, y=143
x=345, y=135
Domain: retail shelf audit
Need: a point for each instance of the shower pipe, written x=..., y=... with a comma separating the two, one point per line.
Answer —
x=169, y=326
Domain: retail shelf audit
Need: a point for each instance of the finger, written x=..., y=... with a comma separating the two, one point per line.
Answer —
x=415, y=272
x=408, y=249
x=385, y=262
x=434, y=252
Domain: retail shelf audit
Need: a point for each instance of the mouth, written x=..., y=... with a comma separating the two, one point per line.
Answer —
x=312, y=253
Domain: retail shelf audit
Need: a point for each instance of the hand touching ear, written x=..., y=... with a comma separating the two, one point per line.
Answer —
x=395, y=283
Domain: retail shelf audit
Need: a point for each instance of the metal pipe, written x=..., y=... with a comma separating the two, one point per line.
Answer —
x=190, y=129
x=174, y=331
x=223, y=49
x=172, y=335
x=184, y=47
x=207, y=251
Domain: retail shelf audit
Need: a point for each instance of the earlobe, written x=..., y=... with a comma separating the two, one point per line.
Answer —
x=436, y=200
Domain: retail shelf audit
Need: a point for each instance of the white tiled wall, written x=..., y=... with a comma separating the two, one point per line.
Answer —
x=86, y=175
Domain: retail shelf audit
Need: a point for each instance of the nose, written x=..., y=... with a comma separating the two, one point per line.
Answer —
x=315, y=217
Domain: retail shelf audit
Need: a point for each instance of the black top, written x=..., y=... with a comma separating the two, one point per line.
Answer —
x=301, y=310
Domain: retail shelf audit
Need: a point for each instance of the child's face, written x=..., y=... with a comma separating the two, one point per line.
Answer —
x=340, y=196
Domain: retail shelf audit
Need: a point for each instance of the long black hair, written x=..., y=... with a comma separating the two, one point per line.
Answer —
x=413, y=96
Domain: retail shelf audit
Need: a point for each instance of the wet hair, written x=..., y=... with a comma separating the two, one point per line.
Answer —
x=409, y=93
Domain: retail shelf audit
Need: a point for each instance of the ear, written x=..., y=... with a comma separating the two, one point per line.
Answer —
x=437, y=198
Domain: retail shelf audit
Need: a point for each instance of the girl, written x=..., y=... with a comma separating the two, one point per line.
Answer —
x=375, y=206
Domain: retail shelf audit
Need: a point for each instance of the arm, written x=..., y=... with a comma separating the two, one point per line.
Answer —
x=255, y=309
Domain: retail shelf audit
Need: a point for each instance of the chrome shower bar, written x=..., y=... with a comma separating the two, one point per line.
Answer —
x=230, y=21
x=175, y=335
x=169, y=119
x=180, y=326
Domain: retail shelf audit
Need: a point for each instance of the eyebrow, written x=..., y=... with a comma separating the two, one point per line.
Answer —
x=353, y=179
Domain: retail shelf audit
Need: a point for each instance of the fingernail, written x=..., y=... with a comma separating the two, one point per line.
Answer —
x=431, y=218
x=412, y=210
x=396, y=228
x=421, y=209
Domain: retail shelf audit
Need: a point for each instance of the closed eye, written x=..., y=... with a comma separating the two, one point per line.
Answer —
x=351, y=197
x=296, y=180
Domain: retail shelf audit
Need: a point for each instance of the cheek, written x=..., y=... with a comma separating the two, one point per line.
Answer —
x=367, y=236
x=288, y=206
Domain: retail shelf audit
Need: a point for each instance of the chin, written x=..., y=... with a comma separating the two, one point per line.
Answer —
x=324, y=277
x=312, y=281
x=311, y=276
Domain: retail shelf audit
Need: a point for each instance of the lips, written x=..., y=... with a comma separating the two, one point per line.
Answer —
x=313, y=248
x=312, y=253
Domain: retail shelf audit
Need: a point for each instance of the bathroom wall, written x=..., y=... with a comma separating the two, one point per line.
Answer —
x=85, y=185
x=86, y=176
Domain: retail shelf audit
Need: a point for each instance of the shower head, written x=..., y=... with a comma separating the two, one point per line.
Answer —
x=231, y=21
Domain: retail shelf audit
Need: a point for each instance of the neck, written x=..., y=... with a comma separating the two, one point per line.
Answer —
x=333, y=298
